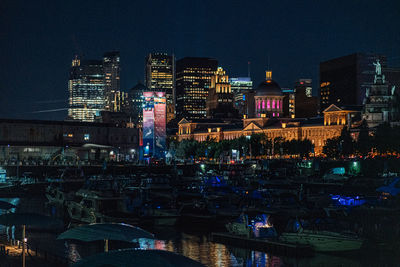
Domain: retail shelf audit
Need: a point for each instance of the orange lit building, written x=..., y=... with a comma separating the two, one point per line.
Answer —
x=317, y=130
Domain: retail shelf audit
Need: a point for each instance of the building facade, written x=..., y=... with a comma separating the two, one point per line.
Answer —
x=269, y=99
x=136, y=103
x=160, y=77
x=193, y=80
x=303, y=103
x=344, y=80
x=317, y=130
x=267, y=118
x=86, y=90
x=74, y=141
x=112, y=93
x=379, y=100
x=240, y=86
x=154, y=124
x=220, y=96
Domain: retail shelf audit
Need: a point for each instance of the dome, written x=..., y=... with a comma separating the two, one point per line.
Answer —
x=269, y=88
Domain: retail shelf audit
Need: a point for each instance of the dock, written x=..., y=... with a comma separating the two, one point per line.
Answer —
x=265, y=245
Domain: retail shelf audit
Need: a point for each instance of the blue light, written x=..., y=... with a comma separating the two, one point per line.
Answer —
x=244, y=97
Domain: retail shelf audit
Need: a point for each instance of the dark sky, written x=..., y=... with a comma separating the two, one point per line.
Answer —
x=39, y=38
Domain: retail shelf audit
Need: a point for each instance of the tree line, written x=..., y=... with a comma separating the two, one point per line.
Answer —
x=254, y=146
x=383, y=140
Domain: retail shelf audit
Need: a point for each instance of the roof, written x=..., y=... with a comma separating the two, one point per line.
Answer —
x=60, y=123
x=269, y=88
x=333, y=108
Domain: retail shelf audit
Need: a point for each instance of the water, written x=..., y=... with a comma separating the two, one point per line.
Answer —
x=197, y=245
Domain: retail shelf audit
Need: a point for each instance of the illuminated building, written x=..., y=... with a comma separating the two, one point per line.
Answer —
x=301, y=103
x=154, y=124
x=240, y=86
x=86, y=89
x=159, y=77
x=112, y=94
x=268, y=98
x=288, y=102
x=317, y=130
x=193, y=80
x=136, y=103
x=72, y=141
x=220, y=97
x=344, y=80
x=265, y=116
x=379, y=100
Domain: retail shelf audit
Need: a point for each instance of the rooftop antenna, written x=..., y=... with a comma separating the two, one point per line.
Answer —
x=248, y=69
x=268, y=63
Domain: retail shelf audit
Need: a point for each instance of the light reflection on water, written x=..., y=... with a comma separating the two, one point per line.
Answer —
x=199, y=247
x=212, y=254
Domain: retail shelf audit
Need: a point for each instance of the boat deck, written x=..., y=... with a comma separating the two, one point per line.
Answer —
x=277, y=247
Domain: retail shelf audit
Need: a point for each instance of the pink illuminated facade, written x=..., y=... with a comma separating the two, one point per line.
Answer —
x=269, y=98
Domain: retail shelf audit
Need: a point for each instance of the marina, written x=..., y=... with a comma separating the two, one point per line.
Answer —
x=230, y=207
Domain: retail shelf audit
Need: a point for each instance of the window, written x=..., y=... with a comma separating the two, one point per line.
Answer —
x=86, y=137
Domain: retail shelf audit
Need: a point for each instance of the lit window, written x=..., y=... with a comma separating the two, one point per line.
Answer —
x=86, y=137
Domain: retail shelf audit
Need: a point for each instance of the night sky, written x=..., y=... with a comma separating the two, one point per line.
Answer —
x=39, y=38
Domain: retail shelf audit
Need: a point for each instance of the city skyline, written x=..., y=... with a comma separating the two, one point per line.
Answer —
x=292, y=43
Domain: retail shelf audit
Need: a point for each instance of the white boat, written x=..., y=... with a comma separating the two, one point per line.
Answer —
x=323, y=241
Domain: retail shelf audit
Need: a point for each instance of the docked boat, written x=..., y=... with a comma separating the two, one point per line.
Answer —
x=323, y=241
x=56, y=196
x=94, y=207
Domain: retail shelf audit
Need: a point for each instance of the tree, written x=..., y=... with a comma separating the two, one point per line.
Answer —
x=331, y=148
x=363, y=144
x=387, y=139
x=346, y=142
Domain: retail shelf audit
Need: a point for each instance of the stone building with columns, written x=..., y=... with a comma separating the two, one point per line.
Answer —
x=268, y=120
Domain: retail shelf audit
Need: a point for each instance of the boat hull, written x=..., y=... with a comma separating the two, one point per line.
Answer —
x=323, y=243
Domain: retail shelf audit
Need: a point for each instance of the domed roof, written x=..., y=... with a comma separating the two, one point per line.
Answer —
x=269, y=88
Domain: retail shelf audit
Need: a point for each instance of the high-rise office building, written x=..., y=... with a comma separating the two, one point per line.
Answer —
x=160, y=77
x=193, y=80
x=344, y=80
x=304, y=104
x=240, y=86
x=136, y=102
x=220, y=97
x=86, y=89
x=112, y=94
x=288, y=102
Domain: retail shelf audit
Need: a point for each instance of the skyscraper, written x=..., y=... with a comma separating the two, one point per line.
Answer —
x=240, y=86
x=86, y=89
x=344, y=80
x=193, y=80
x=136, y=102
x=159, y=77
x=112, y=94
x=304, y=103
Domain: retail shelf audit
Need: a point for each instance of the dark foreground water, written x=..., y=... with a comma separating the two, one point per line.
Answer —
x=196, y=244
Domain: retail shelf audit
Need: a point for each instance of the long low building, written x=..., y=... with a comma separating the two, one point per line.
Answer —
x=52, y=140
x=317, y=130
